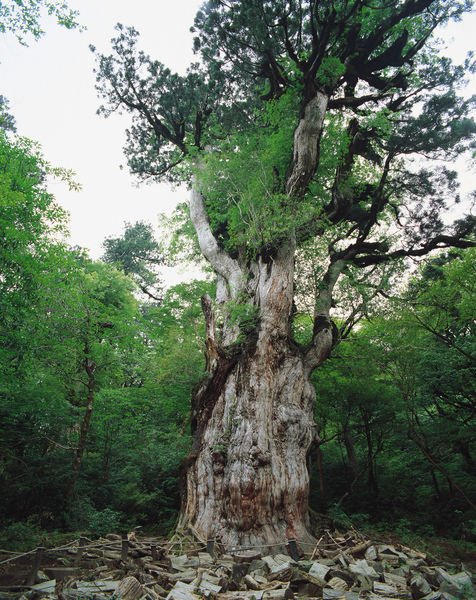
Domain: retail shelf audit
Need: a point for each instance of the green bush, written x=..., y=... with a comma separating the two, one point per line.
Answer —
x=403, y=527
x=84, y=516
x=340, y=517
x=21, y=536
x=360, y=520
x=426, y=531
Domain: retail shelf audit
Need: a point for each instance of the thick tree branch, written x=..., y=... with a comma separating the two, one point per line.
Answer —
x=356, y=101
x=324, y=335
x=439, y=242
x=222, y=263
x=306, y=145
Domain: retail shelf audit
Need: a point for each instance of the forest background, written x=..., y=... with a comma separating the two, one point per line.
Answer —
x=99, y=362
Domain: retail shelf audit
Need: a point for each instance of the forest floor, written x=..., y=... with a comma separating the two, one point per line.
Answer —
x=440, y=551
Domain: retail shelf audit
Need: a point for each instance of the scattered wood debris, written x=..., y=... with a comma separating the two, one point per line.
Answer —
x=339, y=568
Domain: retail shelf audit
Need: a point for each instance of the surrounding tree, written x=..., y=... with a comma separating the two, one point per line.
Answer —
x=7, y=120
x=32, y=226
x=90, y=409
x=434, y=368
x=139, y=254
x=296, y=135
x=84, y=320
x=356, y=408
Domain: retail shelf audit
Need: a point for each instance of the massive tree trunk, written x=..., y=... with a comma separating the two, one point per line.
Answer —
x=246, y=476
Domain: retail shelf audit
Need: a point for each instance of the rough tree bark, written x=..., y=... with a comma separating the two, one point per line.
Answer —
x=245, y=480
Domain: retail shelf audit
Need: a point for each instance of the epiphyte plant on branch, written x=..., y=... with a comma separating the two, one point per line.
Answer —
x=295, y=133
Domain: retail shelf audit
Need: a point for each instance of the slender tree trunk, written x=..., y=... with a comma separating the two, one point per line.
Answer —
x=83, y=434
x=350, y=449
x=435, y=484
x=372, y=482
x=322, y=486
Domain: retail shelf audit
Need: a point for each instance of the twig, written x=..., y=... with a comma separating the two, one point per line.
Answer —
x=316, y=548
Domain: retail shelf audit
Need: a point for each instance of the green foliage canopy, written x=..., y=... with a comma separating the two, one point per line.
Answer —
x=231, y=123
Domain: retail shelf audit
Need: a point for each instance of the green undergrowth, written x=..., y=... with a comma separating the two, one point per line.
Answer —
x=25, y=536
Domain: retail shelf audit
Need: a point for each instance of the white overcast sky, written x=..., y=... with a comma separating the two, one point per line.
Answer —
x=50, y=86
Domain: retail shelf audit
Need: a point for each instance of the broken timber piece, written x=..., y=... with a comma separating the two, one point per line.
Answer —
x=419, y=587
x=363, y=568
x=182, y=591
x=184, y=576
x=331, y=594
x=414, y=553
x=390, y=556
x=371, y=553
x=319, y=570
x=336, y=583
x=205, y=559
x=47, y=587
x=129, y=589
x=87, y=589
x=246, y=556
x=394, y=579
x=270, y=562
x=207, y=587
x=285, y=593
x=177, y=563
x=281, y=573
x=282, y=558
x=388, y=591
x=315, y=581
x=251, y=583
x=207, y=582
x=360, y=549
x=36, y=565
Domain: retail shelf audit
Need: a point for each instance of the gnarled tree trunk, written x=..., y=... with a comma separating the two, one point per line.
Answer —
x=245, y=479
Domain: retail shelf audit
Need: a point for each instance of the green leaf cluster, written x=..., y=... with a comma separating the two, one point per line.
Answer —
x=23, y=18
